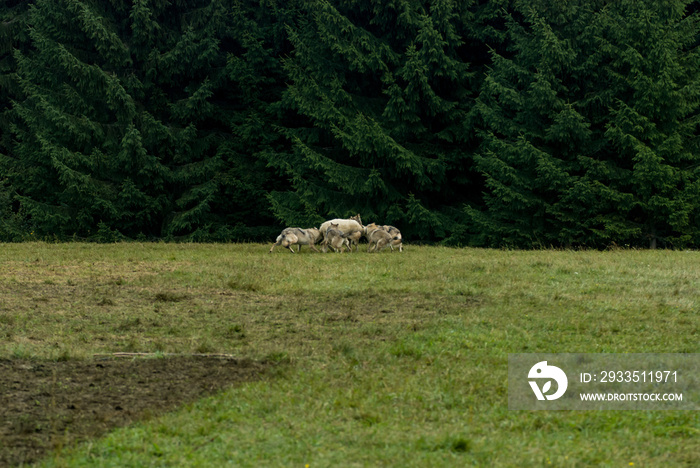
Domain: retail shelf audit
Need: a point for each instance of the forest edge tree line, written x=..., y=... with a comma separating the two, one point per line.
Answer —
x=487, y=123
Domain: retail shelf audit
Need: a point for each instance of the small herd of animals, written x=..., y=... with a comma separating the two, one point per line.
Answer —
x=339, y=234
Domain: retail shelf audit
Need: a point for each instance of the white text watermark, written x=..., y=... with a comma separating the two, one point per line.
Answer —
x=586, y=381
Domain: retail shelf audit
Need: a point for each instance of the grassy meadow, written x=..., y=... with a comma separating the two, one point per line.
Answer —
x=389, y=359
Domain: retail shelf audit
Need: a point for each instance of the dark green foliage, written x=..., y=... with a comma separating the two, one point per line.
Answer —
x=13, y=35
x=534, y=133
x=653, y=116
x=497, y=123
x=590, y=127
x=12, y=223
x=127, y=120
x=382, y=96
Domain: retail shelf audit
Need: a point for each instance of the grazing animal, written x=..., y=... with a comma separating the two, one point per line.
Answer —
x=298, y=236
x=335, y=239
x=395, y=237
x=377, y=237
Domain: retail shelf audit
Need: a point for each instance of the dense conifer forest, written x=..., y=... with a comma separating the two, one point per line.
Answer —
x=504, y=123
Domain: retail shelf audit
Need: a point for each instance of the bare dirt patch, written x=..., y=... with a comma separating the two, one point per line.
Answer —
x=45, y=405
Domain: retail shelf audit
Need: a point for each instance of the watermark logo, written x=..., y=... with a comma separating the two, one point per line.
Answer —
x=604, y=381
x=543, y=371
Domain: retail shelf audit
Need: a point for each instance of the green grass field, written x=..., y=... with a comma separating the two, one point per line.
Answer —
x=378, y=359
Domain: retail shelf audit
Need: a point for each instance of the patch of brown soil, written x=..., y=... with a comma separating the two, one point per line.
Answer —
x=45, y=405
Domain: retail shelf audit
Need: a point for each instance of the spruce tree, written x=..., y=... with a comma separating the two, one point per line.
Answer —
x=128, y=116
x=651, y=133
x=256, y=112
x=381, y=90
x=589, y=127
x=13, y=35
x=533, y=131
